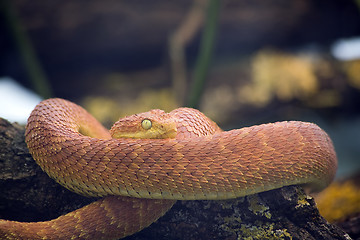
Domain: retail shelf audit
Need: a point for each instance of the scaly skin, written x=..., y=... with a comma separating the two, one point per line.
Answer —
x=112, y=217
x=210, y=165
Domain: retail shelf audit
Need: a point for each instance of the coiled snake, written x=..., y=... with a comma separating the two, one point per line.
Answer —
x=158, y=158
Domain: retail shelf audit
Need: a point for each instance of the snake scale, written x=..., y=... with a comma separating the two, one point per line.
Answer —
x=181, y=155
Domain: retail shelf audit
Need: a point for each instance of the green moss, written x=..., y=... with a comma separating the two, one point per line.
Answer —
x=303, y=200
x=257, y=229
x=264, y=231
x=257, y=207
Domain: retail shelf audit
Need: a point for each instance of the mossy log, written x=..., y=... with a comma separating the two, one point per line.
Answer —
x=28, y=194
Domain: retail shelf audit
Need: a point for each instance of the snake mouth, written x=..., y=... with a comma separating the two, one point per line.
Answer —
x=160, y=130
x=171, y=133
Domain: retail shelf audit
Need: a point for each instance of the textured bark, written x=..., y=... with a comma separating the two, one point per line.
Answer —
x=351, y=225
x=28, y=194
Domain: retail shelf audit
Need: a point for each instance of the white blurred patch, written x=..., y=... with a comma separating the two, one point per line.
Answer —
x=346, y=49
x=16, y=102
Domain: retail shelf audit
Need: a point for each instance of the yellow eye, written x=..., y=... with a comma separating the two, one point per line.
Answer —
x=146, y=124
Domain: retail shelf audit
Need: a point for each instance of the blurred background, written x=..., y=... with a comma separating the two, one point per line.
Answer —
x=240, y=62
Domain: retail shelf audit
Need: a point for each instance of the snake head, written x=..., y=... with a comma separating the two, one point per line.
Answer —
x=153, y=124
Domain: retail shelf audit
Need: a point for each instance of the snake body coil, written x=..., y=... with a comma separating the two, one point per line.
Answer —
x=201, y=162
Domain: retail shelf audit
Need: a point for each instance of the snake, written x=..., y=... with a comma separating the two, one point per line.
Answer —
x=147, y=161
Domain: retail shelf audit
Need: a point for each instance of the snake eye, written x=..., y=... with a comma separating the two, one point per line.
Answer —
x=146, y=124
